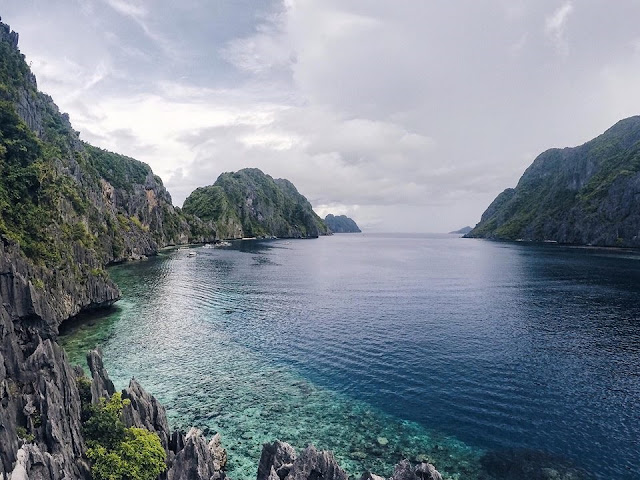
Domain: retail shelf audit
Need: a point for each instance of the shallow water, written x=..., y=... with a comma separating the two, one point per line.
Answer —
x=380, y=347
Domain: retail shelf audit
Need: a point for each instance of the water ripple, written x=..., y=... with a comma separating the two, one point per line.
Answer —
x=383, y=347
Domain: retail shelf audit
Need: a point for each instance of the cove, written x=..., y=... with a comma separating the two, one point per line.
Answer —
x=380, y=347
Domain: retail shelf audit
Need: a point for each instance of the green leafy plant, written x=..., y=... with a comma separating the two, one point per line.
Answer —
x=117, y=452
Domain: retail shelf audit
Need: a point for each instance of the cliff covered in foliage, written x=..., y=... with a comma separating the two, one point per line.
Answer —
x=249, y=203
x=341, y=224
x=587, y=195
x=67, y=209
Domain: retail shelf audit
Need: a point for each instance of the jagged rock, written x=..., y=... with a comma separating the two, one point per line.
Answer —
x=144, y=411
x=422, y=471
x=403, y=471
x=101, y=384
x=371, y=476
x=312, y=464
x=34, y=464
x=196, y=461
x=277, y=456
x=273, y=475
x=218, y=453
x=426, y=471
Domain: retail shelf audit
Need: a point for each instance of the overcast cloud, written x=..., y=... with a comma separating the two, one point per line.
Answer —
x=406, y=115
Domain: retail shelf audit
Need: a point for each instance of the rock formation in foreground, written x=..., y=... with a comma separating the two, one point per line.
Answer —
x=341, y=224
x=587, y=195
x=249, y=203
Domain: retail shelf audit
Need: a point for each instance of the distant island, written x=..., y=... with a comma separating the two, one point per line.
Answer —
x=249, y=203
x=341, y=224
x=587, y=195
x=462, y=231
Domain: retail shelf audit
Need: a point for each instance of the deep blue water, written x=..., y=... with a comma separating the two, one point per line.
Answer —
x=388, y=346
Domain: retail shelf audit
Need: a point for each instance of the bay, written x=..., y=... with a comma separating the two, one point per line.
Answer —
x=466, y=352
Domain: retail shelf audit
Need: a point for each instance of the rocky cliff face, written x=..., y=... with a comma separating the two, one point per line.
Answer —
x=584, y=195
x=341, y=224
x=249, y=203
x=66, y=210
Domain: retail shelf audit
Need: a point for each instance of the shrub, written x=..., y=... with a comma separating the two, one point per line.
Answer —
x=116, y=452
x=139, y=457
x=104, y=426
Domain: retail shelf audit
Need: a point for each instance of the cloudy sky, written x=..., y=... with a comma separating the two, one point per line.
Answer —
x=407, y=115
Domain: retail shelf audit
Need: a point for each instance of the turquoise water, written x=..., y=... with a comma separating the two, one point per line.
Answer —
x=384, y=347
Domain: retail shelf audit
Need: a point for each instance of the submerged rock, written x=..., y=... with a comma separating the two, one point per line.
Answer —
x=515, y=464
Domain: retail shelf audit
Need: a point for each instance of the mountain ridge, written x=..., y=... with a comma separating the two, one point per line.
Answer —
x=584, y=195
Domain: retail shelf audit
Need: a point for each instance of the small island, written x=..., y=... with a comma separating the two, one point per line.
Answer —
x=250, y=203
x=341, y=224
x=462, y=231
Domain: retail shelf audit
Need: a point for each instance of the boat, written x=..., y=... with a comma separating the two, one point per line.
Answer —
x=191, y=254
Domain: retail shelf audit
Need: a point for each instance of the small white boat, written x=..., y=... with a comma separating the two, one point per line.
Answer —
x=191, y=254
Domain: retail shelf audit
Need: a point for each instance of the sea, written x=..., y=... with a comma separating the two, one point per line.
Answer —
x=490, y=360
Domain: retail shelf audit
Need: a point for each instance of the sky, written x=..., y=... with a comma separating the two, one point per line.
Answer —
x=407, y=115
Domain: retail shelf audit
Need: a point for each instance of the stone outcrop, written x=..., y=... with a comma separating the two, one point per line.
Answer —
x=278, y=458
x=280, y=462
x=587, y=195
x=101, y=384
x=39, y=405
x=198, y=460
x=144, y=411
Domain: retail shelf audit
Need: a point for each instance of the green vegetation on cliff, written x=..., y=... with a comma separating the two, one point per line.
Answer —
x=117, y=452
x=67, y=204
x=249, y=203
x=584, y=195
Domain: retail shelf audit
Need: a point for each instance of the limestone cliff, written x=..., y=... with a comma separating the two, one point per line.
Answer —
x=249, y=203
x=66, y=211
x=584, y=195
x=341, y=224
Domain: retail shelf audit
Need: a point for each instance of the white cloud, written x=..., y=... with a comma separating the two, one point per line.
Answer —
x=129, y=8
x=394, y=113
x=556, y=26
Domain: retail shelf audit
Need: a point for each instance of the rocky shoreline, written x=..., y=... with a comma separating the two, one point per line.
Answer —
x=190, y=456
